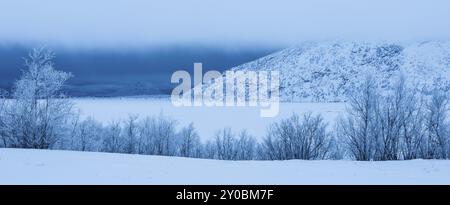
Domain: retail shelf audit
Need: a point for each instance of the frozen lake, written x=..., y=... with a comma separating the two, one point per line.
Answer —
x=207, y=120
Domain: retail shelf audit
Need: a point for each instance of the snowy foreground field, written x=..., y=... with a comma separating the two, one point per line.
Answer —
x=207, y=120
x=20, y=166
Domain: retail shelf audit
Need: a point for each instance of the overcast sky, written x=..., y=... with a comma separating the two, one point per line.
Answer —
x=104, y=23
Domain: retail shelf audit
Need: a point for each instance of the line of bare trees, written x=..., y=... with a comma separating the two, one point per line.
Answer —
x=401, y=124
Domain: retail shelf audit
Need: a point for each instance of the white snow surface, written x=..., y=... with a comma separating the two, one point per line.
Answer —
x=27, y=166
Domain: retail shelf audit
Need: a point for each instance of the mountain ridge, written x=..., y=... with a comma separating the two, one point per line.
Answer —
x=329, y=71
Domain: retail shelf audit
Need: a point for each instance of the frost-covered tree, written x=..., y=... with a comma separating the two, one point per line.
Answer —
x=245, y=146
x=131, y=137
x=39, y=113
x=190, y=145
x=395, y=125
x=399, y=122
x=113, y=139
x=146, y=144
x=438, y=138
x=359, y=127
x=298, y=138
x=158, y=136
x=387, y=121
x=394, y=111
x=87, y=136
x=166, y=136
x=225, y=143
x=209, y=150
x=402, y=127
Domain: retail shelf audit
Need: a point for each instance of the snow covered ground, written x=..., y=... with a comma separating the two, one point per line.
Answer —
x=207, y=120
x=20, y=166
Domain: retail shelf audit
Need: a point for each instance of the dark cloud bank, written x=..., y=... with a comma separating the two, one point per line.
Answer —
x=132, y=72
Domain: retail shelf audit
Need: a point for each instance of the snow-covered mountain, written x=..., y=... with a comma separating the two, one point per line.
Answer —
x=328, y=71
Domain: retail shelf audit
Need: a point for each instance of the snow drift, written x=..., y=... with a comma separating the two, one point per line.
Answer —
x=26, y=166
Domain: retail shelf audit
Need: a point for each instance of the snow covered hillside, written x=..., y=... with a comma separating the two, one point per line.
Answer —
x=327, y=71
x=26, y=166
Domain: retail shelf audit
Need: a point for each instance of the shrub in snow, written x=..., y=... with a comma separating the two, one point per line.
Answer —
x=228, y=146
x=298, y=138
